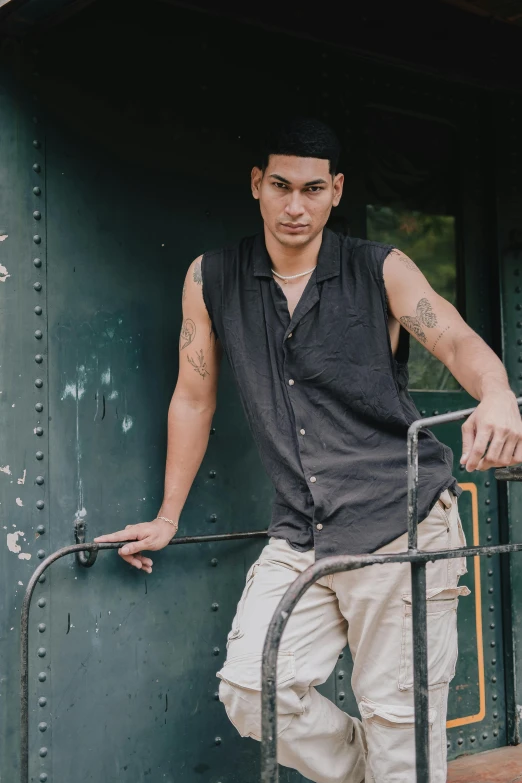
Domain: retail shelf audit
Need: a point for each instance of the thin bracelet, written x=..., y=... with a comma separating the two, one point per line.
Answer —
x=175, y=524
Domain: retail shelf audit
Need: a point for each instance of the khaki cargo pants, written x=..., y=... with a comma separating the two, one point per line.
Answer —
x=371, y=610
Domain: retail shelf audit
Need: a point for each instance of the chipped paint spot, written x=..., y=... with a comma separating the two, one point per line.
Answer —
x=106, y=377
x=3, y=237
x=22, y=480
x=24, y=556
x=34, y=430
x=113, y=395
x=76, y=390
x=110, y=333
x=19, y=502
x=6, y=469
x=12, y=541
x=21, y=583
x=82, y=512
x=4, y=274
x=126, y=423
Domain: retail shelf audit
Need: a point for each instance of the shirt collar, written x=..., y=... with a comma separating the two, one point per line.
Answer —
x=328, y=261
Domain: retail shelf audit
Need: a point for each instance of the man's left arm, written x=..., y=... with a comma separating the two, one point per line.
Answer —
x=492, y=434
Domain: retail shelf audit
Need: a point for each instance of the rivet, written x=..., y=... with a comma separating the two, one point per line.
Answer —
x=218, y=741
x=489, y=520
x=485, y=735
x=43, y=752
x=488, y=502
x=213, y=517
x=36, y=143
x=490, y=572
x=494, y=697
x=37, y=286
x=41, y=554
x=214, y=561
x=37, y=167
x=42, y=652
x=435, y=413
x=40, y=480
x=39, y=407
x=39, y=455
x=215, y=651
x=519, y=324
x=341, y=655
x=38, y=383
x=37, y=215
x=38, y=310
x=39, y=504
x=37, y=262
x=495, y=733
x=491, y=608
x=490, y=589
x=37, y=239
x=493, y=679
x=37, y=191
x=42, y=701
x=215, y=607
x=41, y=627
x=518, y=306
x=488, y=483
x=448, y=745
x=489, y=538
x=42, y=726
x=341, y=675
x=38, y=334
x=41, y=578
x=42, y=602
x=43, y=777
x=38, y=358
x=460, y=741
x=216, y=695
x=212, y=474
x=341, y=696
x=213, y=431
x=495, y=715
x=40, y=529
x=423, y=413
x=38, y=430
x=472, y=738
x=492, y=644
x=493, y=661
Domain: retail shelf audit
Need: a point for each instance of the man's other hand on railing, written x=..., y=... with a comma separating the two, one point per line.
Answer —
x=149, y=536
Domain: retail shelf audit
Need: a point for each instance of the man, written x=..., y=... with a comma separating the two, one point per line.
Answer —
x=315, y=327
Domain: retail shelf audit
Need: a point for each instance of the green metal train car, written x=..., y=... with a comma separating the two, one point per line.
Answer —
x=127, y=135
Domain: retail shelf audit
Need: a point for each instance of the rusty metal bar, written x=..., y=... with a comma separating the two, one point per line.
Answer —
x=330, y=565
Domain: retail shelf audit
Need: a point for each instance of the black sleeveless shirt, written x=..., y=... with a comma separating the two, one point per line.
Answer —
x=326, y=400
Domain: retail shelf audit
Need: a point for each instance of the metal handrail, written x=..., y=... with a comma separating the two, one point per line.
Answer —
x=330, y=565
x=87, y=561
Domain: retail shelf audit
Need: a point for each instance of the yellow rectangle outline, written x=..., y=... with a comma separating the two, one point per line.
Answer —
x=469, y=487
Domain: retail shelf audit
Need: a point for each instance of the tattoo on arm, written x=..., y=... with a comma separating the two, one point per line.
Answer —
x=184, y=293
x=196, y=275
x=405, y=260
x=425, y=317
x=438, y=338
x=199, y=364
x=188, y=332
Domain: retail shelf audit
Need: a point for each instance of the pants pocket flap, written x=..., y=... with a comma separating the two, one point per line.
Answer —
x=245, y=670
x=393, y=713
x=441, y=593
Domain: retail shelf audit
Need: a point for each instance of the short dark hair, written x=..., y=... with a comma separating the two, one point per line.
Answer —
x=304, y=137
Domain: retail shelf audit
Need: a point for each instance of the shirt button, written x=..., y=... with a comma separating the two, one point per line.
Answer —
x=319, y=526
x=313, y=479
x=289, y=336
x=302, y=432
x=291, y=382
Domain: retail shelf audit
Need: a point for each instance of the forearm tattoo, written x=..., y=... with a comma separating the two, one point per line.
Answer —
x=425, y=317
x=188, y=333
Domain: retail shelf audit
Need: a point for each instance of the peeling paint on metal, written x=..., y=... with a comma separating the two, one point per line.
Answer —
x=6, y=469
x=12, y=541
x=113, y=395
x=19, y=502
x=76, y=390
x=22, y=480
x=106, y=377
x=3, y=237
x=126, y=423
x=4, y=274
x=24, y=556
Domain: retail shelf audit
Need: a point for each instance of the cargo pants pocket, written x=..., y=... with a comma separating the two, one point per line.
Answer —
x=237, y=630
x=441, y=606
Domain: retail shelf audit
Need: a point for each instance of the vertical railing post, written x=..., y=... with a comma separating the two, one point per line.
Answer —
x=419, y=619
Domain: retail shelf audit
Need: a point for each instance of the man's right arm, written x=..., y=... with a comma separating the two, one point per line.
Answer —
x=194, y=400
x=189, y=420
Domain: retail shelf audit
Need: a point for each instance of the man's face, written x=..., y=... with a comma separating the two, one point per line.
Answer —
x=296, y=196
